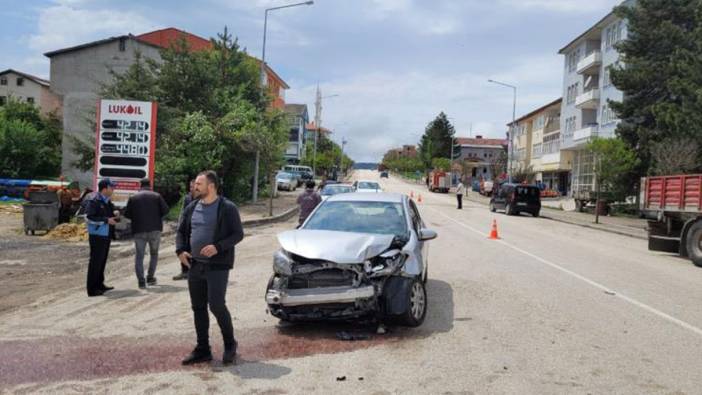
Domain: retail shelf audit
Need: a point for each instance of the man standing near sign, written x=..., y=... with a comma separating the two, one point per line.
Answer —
x=146, y=209
x=101, y=217
x=209, y=229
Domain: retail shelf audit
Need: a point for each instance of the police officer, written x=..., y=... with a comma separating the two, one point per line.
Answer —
x=101, y=217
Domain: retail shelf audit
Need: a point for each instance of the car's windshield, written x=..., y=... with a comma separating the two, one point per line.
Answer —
x=285, y=176
x=335, y=189
x=368, y=185
x=362, y=217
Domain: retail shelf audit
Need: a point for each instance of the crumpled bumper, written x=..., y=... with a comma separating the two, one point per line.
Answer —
x=318, y=296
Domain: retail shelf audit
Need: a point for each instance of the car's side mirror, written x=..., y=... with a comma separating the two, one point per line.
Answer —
x=427, y=234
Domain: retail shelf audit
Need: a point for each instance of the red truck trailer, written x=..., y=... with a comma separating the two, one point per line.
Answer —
x=673, y=206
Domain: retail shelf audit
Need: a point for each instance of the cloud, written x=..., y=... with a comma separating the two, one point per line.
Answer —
x=382, y=110
x=65, y=24
x=565, y=6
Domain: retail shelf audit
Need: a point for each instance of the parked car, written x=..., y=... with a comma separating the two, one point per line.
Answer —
x=516, y=198
x=286, y=181
x=384, y=174
x=367, y=186
x=335, y=189
x=304, y=173
x=356, y=255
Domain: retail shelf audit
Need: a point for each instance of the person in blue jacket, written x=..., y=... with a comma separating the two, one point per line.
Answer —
x=101, y=217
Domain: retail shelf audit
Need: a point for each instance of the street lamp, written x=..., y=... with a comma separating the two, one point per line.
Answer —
x=318, y=124
x=510, y=154
x=264, y=80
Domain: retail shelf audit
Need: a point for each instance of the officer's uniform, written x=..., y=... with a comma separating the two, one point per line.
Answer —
x=99, y=209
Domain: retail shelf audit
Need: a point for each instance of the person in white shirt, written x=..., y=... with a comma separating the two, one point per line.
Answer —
x=460, y=190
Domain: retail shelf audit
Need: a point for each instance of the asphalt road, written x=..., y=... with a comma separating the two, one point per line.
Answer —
x=549, y=308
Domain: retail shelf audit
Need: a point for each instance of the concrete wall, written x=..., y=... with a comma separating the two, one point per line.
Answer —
x=76, y=77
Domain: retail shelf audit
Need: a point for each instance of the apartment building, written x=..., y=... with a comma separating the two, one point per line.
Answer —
x=478, y=157
x=587, y=87
x=297, y=119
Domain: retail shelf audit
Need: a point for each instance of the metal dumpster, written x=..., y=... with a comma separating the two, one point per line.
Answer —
x=42, y=211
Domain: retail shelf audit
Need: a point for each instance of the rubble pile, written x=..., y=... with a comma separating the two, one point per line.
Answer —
x=69, y=232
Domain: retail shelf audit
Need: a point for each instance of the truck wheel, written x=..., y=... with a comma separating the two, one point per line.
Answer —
x=694, y=243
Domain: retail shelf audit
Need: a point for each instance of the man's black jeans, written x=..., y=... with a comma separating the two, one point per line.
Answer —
x=209, y=287
x=460, y=201
x=99, y=249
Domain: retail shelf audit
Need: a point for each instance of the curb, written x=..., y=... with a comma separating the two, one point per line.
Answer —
x=616, y=232
x=276, y=218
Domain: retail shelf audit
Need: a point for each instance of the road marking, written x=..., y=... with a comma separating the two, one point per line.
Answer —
x=586, y=280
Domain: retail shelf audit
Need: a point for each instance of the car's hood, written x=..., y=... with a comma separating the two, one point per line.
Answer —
x=338, y=247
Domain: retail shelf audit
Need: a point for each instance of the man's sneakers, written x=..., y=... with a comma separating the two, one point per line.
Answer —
x=181, y=276
x=198, y=356
x=142, y=284
x=151, y=280
x=98, y=292
x=229, y=354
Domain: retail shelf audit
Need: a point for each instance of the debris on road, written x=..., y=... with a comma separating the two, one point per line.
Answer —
x=341, y=378
x=68, y=232
x=348, y=336
x=610, y=293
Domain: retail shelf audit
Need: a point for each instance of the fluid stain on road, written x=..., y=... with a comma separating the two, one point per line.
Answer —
x=65, y=358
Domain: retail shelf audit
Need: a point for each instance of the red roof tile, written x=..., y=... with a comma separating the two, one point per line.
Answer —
x=480, y=141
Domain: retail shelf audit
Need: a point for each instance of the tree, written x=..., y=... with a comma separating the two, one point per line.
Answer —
x=674, y=156
x=30, y=144
x=614, y=163
x=441, y=164
x=436, y=141
x=213, y=114
x=660, y=76
x=498, y=164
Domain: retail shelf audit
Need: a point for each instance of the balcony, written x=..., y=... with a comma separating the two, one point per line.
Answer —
x=590, y=64
x=582, y=136
x=589, y=100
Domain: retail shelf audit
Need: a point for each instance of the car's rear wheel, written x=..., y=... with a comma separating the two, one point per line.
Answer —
x=416, y=304
x=535, y=213
x=508, y=209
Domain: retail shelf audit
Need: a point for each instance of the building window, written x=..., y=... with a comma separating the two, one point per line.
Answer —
x=20, y=81
x=3, y=80
x=30, y=100
x=122, y=44
x=3, y=100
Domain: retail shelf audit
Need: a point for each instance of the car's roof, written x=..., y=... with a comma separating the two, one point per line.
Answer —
x=371, y=181
x=339, y=185
x=385, y=197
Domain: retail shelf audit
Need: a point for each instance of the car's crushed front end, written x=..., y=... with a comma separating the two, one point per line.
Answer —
x=334, y=275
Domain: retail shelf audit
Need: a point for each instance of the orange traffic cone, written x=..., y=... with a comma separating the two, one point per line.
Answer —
x=420, y=198
x=493, y=232
x=411, y=194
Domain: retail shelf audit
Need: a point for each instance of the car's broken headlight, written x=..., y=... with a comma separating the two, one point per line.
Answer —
x=385, y=264
x=282, y=263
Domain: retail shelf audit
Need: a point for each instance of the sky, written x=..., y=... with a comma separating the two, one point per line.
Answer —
x=392, y=64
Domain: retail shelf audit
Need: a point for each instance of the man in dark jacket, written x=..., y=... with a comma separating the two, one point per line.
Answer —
x=101, y=219
x=186, y=201
x=308, y=201
x=209, y=229
x=146, y=209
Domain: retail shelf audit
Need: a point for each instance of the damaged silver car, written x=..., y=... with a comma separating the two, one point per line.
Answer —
x=357, y=255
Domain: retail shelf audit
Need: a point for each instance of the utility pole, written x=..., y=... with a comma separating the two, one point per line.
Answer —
x=318, y=125
x=513, y=126
x=341, y=161
x=264, y=84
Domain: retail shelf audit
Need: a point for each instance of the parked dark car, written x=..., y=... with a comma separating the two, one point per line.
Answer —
x=516, y=198
x=384, y=174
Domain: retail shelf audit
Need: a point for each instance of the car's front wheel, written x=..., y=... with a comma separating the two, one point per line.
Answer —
x=416, y=304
